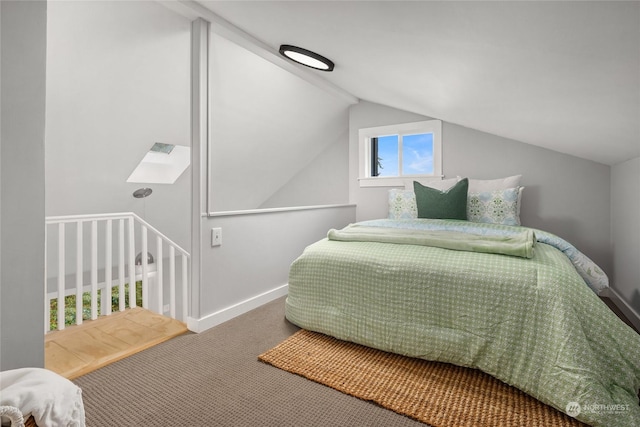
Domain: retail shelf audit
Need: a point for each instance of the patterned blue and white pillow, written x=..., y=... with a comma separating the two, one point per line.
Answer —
x=402, y=204
x=496, y=207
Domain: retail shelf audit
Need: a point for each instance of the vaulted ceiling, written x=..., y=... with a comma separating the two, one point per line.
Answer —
x=556, y=74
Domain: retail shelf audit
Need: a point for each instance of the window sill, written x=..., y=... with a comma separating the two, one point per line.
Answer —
x=395, y=181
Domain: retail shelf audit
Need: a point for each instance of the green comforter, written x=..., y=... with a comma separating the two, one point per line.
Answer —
x=530, y=322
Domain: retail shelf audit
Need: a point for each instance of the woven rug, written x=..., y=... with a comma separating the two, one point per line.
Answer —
x=438, y=394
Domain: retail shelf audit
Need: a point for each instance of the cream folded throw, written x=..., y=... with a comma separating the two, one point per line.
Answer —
x=517, y=244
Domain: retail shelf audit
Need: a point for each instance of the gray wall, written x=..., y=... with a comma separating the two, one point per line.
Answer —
x=23, y=50
x=625, y=215
x=118, y=80
x=564, y=195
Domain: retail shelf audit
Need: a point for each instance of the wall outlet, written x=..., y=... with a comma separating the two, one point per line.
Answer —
x=216, y=237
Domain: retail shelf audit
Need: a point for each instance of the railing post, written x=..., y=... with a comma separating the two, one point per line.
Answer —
x=47, y=301
x=132, y=264
x=94, y=270
x=172, y=282
x=108, y=264
x=61, y=275
x=121, y=305
x=185, y=277
x=159, y=284
x=79, y=272
x=145, y=270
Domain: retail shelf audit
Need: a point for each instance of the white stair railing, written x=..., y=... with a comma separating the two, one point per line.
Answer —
x=131, y=235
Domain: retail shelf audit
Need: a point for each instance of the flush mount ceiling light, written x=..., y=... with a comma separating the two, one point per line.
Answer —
x=306, y=57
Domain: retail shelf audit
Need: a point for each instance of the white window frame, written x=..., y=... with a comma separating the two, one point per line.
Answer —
x=364, y=136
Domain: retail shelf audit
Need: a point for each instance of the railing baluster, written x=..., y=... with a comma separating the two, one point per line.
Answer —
x=79, y=272
x=145, y=270
x=159, y=272
x=132, y=264
x=61, y=275
x=185, y=275
x=47, y=301
x=108, y=264
x=172, y=282
x=121, y=301
x=94, y=270
x=126, y=253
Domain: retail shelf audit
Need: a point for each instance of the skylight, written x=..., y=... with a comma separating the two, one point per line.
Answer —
x=162, y=164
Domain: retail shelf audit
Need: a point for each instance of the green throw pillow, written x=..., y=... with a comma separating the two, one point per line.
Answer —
x=450, y=204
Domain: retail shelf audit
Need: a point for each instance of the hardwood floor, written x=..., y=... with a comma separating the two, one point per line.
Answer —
x=78, y=350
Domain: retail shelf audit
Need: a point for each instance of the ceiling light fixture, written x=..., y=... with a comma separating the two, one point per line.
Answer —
x=306, y=57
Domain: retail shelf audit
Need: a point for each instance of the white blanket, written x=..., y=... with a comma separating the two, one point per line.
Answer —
x=51, y=399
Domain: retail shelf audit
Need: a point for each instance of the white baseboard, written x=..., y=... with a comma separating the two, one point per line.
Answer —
x=221, y=316
x=623, y=305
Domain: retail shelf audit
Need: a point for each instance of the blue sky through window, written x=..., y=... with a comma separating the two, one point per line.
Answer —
x=417, y=154
x=388, y=155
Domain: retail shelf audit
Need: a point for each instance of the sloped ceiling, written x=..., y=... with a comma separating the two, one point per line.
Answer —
x=560, y=75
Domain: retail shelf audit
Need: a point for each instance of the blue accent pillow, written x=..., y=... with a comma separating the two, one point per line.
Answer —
x=495, y=207
x=402, y=204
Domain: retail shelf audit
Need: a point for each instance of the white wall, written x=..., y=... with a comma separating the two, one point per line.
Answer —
x=625, y=214
x=118, y=80
x=256, y=253
x=23, y=66
x=276, y=139
x=300, y=132
x=564, y=195
x=319, y=182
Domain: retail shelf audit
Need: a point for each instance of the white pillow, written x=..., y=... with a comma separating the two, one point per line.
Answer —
x=484, y=185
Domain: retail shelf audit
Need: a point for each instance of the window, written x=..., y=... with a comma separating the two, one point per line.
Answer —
x=390, y=154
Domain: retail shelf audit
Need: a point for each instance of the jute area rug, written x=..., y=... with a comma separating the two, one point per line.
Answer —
x=438, y=394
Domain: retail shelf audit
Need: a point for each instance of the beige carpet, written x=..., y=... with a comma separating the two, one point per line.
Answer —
x=214, y=379
x=439, y=394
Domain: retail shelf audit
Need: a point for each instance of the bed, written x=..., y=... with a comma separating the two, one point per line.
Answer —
x=517, y=303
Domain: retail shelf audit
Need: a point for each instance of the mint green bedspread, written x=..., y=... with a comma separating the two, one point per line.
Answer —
x=530, y=322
